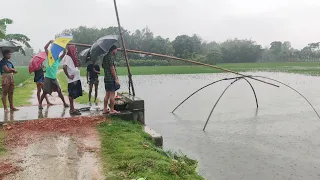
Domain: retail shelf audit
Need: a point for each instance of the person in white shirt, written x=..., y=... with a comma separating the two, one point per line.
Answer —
x=73, y=78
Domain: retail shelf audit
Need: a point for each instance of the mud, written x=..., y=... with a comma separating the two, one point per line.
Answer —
x=54, y=149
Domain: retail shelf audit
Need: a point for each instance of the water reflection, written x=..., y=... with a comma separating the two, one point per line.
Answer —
x=45, y=115
x=8, y=116
x=33, y=112
x=239, y=137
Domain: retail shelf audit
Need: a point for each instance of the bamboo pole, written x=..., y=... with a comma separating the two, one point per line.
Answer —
x=125, y=52
x=184, y=60
x=195, y=62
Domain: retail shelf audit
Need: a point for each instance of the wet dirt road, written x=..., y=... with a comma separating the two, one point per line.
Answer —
x=54, y=149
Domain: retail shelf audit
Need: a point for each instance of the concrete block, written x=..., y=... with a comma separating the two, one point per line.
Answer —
x=156, y=137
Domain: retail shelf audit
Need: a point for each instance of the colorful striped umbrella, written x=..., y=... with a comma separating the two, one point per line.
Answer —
x=57, y=47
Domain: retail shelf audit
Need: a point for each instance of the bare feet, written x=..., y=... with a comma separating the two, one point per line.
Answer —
x=66, y=106
x=106, y=111
x=6, y=110
x=114, y=112
x=14, y=109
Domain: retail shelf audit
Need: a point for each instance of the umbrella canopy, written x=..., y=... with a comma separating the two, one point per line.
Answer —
x=57, y=47
x=36, y=61
x=8, y=45
x=84, y=53
x=102, y=45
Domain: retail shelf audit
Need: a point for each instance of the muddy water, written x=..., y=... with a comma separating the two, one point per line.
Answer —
x=280, y=140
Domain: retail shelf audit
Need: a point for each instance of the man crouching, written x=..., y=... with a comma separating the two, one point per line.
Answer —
x=73, y=78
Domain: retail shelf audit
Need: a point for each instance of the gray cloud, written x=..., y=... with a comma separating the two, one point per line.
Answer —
x=214, y=20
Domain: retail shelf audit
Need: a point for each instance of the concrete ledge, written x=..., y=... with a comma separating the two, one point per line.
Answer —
x=156, y=137
x=134, y=105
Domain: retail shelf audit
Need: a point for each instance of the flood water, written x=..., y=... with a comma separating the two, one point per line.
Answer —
x=280, y=140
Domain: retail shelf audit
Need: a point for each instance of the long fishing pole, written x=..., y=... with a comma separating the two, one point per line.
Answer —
x=125, y=52
x=195, y=62
x=184, y=60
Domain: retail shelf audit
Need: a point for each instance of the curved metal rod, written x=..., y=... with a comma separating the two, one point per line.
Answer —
x=217, y=103
x=254, y=92
x=196, y=92
x=212, y=84
x=293, y=90
x=264, y=78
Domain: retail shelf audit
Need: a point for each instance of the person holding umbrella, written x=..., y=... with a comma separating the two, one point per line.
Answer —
x=110, y=79
x=50, y=83
x=38, y=79
x=7, y=71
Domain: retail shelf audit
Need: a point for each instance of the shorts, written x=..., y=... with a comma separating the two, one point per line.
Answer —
x=39, y=80
x=8, y=79
x=75, y=89
x=50, y=85
x=94, y=81
x=111, y=86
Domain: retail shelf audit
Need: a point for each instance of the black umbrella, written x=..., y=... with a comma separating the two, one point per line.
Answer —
x=102, y=45
x=8, y=45
x=84, y=53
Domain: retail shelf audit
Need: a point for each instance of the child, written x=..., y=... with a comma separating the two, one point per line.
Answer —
x=93, y=71
x=38, y=79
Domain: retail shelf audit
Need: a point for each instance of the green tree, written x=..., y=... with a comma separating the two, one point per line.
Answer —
x=186, y=47
x=12, y=37
x=239, y=51
x=213, y=57
x=276, y=47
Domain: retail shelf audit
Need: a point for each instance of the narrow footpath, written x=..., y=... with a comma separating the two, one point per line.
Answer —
x=52, y=148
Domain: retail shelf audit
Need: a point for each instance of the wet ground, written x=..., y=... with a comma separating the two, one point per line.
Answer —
x=40, y=148
x=280, y=140
x=58, y=110
x=53, y=149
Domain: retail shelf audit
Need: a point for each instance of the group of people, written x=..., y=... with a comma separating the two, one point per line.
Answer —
x=46, y=79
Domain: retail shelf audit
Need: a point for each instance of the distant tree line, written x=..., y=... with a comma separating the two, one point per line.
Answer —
x=193, y=47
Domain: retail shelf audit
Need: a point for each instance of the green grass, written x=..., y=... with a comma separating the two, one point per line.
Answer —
x=23, y=94
x=22, y=75
x=127, y=153
x=2, y=136
x=291, y=67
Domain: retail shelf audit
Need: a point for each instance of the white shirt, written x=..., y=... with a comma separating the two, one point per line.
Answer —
x=71, y=69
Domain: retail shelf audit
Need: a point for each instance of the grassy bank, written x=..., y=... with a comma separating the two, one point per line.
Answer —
x=2, y=149
x=127, y=153
x=290, y=67
x=22, y=75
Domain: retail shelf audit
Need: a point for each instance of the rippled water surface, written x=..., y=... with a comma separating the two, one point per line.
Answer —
x=280, y=140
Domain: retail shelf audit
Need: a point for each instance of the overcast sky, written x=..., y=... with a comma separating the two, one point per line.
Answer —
x=297, y=21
